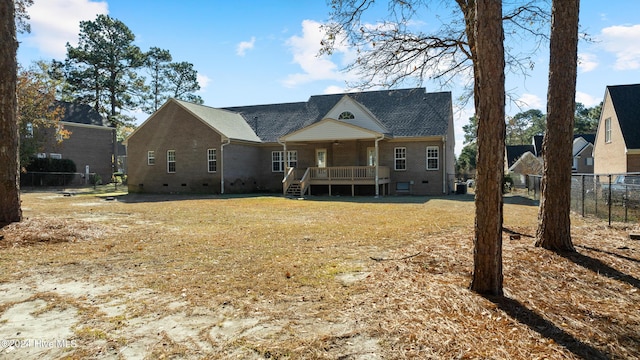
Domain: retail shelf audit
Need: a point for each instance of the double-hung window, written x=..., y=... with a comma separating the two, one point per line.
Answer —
x=400, y=158
x=212, y=160
x=607, y=130
x=151, y=157
x=433, y=158
x=277, y=160
x=171, y=161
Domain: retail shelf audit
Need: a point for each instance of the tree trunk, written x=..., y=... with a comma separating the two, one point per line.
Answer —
x=10, y=210
x=554, y=223
x=487, y=254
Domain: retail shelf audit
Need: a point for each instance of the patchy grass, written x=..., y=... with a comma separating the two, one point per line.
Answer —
x=350, y=278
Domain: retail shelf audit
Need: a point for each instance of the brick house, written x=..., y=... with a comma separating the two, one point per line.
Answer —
x=617, y=144
x=91, y=142
x=375, y=142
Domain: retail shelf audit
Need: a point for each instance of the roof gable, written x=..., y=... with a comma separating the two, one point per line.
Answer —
x=330, y=129
x=626, y=103
x=363, y=118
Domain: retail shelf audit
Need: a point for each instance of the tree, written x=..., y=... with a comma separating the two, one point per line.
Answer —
x=10, y=210
x=586, y=119
x=524, y=125
x=101, y=70
x=392, y=52
x=389, y=54
x=183, y=82
x=157, y=61
x=554, y=225
x=38, y=112
x=466, y=162
x=489, y=78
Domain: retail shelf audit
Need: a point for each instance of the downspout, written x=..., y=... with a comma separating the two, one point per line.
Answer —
x=285, y=158
x=225, y=142
x=377, y=168
x=444, y=165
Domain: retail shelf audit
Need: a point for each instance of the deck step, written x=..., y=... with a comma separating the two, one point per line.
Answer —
x=294, y=190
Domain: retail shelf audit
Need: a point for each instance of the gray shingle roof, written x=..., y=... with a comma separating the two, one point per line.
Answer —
x=405, y=112
x=626, y=102
x=228, y=123
x=81, y=114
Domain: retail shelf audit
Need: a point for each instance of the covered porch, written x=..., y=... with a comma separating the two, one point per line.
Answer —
x=298, y=182
x=355, y=165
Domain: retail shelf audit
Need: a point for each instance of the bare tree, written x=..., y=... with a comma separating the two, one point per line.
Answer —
x=10, y=210
x=489, y=79
x=554, y=229
x=392, y=52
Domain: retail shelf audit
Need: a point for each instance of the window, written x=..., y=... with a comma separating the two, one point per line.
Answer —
x=151, y=157
x=55, y=156
x=292, y=159
x=607, y=130
x=400, y=158
x=212, y=160
x=346, y=116
x=277, y=160
x=29, y=132
x=433, y=158
x=42, y=155
x=171, y=161
x=588, y=161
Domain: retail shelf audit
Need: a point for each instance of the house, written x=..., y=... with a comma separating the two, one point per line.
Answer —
x=617, y=144
x=583, y=153
x=520, y=161
x=374, y=142
x=90, y=144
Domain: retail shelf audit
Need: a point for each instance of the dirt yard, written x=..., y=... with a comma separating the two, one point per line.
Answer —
x=115, y=276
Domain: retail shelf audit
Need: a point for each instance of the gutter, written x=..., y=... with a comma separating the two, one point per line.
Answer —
x=444, y=165
x=222, y=145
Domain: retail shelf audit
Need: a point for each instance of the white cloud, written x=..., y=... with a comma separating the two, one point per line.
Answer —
x=242, y=47
x=586, y=99
x=56, y=22
x=530, y=101
x=334, y=89
x=587, y=62
x=305, y=51
x=203, y=81
x=624, y=42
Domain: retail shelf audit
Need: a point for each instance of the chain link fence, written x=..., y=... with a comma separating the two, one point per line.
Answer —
x=615, y=197
x=58, y=179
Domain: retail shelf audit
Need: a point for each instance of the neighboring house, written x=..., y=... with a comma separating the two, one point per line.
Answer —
x=583, y=154
x=520, y=161
x=617, y=145
x=376, y=142
x=90, y=145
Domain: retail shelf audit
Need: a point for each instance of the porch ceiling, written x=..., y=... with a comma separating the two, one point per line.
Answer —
x=330, y=130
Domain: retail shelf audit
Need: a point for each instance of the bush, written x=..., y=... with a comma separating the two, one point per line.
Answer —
x=40, y=166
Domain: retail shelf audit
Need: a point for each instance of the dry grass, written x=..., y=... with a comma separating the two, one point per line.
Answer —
x=268, y=277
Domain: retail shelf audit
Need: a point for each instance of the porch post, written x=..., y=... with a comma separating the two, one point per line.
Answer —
x=377, y=168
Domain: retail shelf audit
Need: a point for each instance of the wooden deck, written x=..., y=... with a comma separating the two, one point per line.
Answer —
x=299, y=181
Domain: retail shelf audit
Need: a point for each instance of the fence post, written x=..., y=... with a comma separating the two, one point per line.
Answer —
x=582, y=190
x=609, y=176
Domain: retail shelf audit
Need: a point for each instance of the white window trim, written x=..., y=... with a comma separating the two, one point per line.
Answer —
x=210, y=160
x=55, y=156
x=437, y=157
x=396, y=158
x=607, y=130
x=151, y=157
x=292, y=157
x=169, y=161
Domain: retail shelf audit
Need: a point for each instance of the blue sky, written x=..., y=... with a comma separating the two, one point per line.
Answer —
x=261, y=52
